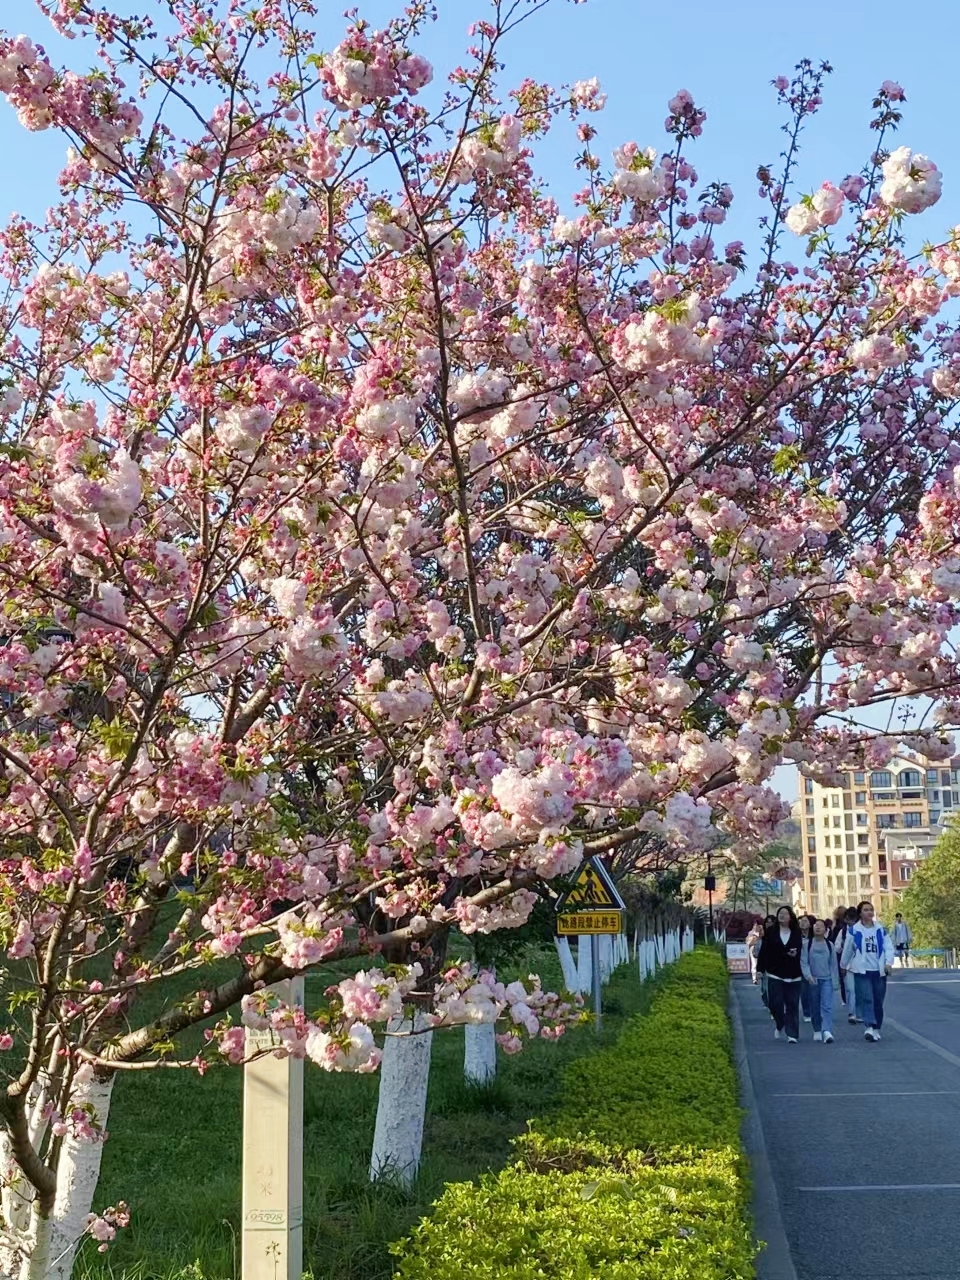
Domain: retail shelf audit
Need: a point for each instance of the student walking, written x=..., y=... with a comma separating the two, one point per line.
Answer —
x=868, y=954
x=902, y=938
x=806, y=923
x=779, y=959
x=754, y=938
x=818, y=963
x=848, y=989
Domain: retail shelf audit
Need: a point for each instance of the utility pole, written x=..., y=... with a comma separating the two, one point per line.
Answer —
x=710, y=883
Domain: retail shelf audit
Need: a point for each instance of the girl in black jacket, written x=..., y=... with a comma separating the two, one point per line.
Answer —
x=779, y=959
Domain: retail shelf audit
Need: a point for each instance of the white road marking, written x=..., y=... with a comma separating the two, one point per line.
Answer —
x=894, y=1186
x=927, y=1044
x=875, y=1093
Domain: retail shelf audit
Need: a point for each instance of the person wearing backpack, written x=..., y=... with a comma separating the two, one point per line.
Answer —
x=868, y=954
x=818, y=963
x=848, y=993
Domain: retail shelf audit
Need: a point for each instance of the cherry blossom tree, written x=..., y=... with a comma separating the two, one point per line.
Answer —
x=377, y=538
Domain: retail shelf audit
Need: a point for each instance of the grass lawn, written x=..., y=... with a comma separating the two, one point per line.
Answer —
x=174, y=1153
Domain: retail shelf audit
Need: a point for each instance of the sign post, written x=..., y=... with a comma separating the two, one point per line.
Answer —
x=591, y=906
x=272, y=1226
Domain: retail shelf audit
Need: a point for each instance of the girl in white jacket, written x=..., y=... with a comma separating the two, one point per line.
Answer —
x=868, y=954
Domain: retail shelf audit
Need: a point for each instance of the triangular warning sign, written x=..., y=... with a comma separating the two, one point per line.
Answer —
x=592, y=889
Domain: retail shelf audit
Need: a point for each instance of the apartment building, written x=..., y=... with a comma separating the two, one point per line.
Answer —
x=864, y=839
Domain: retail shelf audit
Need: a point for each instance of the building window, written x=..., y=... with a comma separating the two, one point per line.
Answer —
x=913, y=819
x=945, y=777
x=859, y=779
x=829, y=882
x=813, y=884
x=933, y=776
x=848, y=841
x=883, y=797
x=906, y=871
x=808, y=786
x=862, y=820
x=934, y=817
x=948, y=799
x=851, y=885
x=910, y=778
x=864, y=859
x=809, y=806
x=886, y=820
x=811, y=826
x=935, y=797
x=826, y=802
x=835, y=801
x=812, y=866
x=811, y=844
x=954, y=773
x=836, y=842
x=866, y=882
x=881, y=780
x=863, y=841
x=860, y=797
x=836, y=819
x=883, y=883
x=883, y=862
x=851, y=862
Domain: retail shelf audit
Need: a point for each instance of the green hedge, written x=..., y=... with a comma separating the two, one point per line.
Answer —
x=637, y=1176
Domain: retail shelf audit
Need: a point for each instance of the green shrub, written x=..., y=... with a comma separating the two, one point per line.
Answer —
x=640, y=1222
x=636, y=1174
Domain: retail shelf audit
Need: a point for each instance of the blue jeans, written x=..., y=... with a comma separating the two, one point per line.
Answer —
x=806, y=1002
x=821, y=1004
x=871, y=988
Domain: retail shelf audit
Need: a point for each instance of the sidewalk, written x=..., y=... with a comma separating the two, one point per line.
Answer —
x=855, y=1146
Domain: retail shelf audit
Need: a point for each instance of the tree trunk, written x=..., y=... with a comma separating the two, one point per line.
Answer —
x=480, y=1053
x=42, y=1246
x=571, y=979
x=584, y=964
x=404, y=1074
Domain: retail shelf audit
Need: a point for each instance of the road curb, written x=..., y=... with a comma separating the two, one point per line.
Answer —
x=774, y=1261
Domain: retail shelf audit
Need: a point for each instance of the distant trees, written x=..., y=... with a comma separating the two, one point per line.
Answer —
x=931, y=902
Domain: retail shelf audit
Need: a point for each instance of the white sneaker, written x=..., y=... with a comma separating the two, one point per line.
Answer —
x=876, y=1033
x=776, y=1034
x=807, y=1019
x=871, y=1034
x=791, y=1039
x=851, y=1018
x=818, y=1035
x=827, y=1038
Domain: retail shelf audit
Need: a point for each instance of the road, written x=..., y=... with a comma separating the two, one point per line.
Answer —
x=862, y=1140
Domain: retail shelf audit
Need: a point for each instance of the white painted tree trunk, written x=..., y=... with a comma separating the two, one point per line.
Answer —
x=402, y=1105
x=479, y=1053
x=584, y=964
x=45, y=1248
x=606, y=957
x=571, y=978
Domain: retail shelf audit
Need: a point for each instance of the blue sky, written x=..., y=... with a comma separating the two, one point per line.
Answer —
x=724, y=51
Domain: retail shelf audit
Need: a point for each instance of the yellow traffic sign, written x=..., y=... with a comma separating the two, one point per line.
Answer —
x=587, y=922
x=592, y=888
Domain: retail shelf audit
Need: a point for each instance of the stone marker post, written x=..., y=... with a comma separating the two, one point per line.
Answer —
x=272, y=1228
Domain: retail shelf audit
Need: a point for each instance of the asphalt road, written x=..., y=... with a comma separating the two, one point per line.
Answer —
x=863, y=1140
